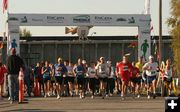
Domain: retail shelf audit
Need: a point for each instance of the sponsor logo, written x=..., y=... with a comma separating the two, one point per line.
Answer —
x=55, y=19
x=37, y=20
x=121, y=19
x=81, y=19
x=24, y=19
x=131, y=20
x=144, y=20
x=103, y=19
x=13, y=19
x=146, y=31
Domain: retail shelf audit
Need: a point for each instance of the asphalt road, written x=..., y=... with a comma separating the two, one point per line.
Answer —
x=69, y=104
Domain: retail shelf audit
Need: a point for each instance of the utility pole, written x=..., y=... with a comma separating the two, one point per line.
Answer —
x=160, y=31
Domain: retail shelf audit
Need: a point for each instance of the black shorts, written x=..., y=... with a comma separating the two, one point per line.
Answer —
x=150, y=79
x=71, y=79
x=136, y=80
x=169, y=81
x=65, y=80
x=105, y=79
x=45, y=79
x=59, y=80
x=80, y=80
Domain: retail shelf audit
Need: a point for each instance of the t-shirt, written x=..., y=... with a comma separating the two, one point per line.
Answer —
x=37, y=72
x=70, y=71
x=80, y=71
x=47, y=73
x=112, y=73
x=102, y=70
x=139, y=66
x=153, y=66
x=60, y=69
x=168, y=73
x=91, y=72
x=124, y=69
x=134, y=72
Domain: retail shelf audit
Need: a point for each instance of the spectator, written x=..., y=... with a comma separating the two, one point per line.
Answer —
x=14, y=63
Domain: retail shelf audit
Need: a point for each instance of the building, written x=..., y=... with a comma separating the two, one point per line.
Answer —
x=34, y=49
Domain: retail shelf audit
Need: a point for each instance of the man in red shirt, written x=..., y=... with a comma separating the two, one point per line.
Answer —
x=124, y=69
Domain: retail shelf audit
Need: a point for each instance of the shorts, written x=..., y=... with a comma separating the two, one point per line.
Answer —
x=150, y=79
x=169, y=81
x=59, y=80
x=65, y=80
x=71, y=79
x=80, y=80
x=105, y=79
x=136, y=80
x=45, y=79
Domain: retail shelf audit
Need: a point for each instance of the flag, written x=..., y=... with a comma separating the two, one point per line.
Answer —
x=5, y=5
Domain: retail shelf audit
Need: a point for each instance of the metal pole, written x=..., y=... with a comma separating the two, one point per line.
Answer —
x=160, y=31
x=160, y=41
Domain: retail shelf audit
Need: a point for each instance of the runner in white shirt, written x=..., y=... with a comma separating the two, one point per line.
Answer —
x=102, y=75
x=71, y=77
x=168, y=75
x=111, y=79
x=151, y=69
x=92, y=75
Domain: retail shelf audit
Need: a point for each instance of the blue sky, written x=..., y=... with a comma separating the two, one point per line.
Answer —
x=87, y=7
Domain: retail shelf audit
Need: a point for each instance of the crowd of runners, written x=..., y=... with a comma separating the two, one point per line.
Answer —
x=99, y=78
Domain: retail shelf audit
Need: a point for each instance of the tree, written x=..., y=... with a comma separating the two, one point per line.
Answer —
x=25, y=33
x=174, y=23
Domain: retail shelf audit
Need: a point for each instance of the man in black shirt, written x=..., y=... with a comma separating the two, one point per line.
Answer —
x=14, y=63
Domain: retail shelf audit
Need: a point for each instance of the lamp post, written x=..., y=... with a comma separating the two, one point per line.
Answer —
x=160, y=31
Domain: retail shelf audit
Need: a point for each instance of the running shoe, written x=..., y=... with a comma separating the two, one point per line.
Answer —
x=58, y=96
x=148, y=97
x=92, y=97
x=138, y=96
x=45, y=95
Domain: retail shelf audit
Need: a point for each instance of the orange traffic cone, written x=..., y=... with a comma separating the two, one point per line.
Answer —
x=36, y=91
x=21, y=86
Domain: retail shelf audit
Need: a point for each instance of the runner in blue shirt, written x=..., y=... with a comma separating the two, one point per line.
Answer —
x=59, y=70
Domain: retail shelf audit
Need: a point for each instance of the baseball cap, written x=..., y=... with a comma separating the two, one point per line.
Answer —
x=59, y=59
x=151, y=57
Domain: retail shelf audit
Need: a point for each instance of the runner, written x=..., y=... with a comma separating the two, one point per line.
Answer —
x=71, y=77
x=102, y=75
x=135, y=80
x=139, y=65
x=46, y=71
x=65, y=80
x=151, y=68
x=38, y=76
x=124, y=69
x=111, y=80
x=60, y=70
x=79, y=70
x=168, y=76
x=92, y=75
x=52, y=81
